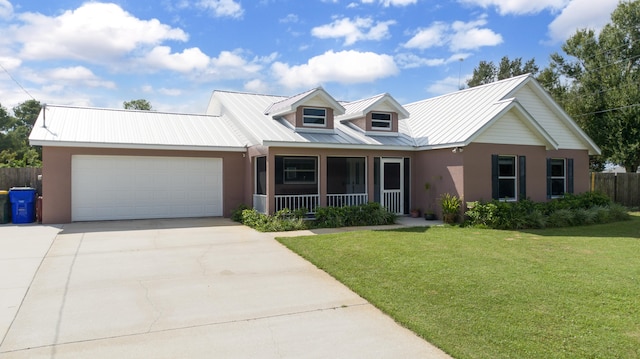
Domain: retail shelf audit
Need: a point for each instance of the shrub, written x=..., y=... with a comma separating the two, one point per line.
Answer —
x=369, y=214
x=618, y=212
x=236, y=214
x=560, y=218
x=326, y=217
x=283, y=220
x=571, y=210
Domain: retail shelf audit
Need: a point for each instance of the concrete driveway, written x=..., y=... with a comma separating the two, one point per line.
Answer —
x=192, y=288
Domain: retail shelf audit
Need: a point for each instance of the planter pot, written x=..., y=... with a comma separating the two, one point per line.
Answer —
x=449, y=217
x=430, y=216
x=415, y=213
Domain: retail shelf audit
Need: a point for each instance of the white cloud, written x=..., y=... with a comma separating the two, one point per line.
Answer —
x=290, y=18
x=519, y=7
x=95, y=32
x=434, y=35
x=470, y=35
x=234, y=65
x=170, y=92
x=353, y=30
x=160, y=57
x=77, y=74
x=580, y=14
x=6, y=9
x=222, y=8
x=447, y=85
x=457, y=36
x=388, y=3
x=346, y=67
x=10, y=63
x=385, y=3
x=410, y=61
x=256, y=86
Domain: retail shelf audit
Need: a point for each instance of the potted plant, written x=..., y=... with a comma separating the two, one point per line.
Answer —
x=415, y=212
x=450, y=207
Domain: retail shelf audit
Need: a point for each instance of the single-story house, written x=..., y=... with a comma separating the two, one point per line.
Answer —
x=506, y=140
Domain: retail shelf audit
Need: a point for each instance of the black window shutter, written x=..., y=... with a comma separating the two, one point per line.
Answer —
x=548, y=177
x=376, y=180
x=494, y=177
x=570, y=175
x=407, y=184
x=522, y=177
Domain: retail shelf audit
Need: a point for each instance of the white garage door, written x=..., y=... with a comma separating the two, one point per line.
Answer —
x=136, y=187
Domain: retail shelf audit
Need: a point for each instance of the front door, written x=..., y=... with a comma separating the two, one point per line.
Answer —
x=392, y=178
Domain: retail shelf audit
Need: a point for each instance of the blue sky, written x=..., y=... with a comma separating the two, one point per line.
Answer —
x=174, y=53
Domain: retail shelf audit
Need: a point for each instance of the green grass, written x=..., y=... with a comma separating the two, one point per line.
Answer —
x=481, y=293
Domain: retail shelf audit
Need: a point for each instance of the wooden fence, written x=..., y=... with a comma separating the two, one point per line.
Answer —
x=20, y=177
x=623, y=188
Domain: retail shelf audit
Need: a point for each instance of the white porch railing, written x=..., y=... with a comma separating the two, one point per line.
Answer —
x=346, y=199
x=294, y=202
x=392, y=200
x=260, y=203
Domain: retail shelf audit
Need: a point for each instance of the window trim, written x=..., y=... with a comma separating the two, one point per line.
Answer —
x=388, y=122
x=286, y=171
x=514, y=178
x=324, y=117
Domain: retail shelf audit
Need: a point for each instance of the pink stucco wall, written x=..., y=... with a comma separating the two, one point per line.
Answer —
x=56, y=176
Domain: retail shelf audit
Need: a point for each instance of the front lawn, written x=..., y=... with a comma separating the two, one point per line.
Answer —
x=481, y=293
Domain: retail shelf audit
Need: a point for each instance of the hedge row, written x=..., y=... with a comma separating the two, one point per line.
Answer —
x=325, y=217
x=571, y=210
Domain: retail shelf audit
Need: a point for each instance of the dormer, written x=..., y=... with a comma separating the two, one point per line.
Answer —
x=311, y=111
x=375, y=116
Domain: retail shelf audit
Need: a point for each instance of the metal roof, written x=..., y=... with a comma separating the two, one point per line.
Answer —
x=247, y=111
x=237, y=120
x=289, y=105
x=96, y=127
x=360, y=108
x=455, y=118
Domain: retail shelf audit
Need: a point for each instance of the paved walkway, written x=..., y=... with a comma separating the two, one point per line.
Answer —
x=193, y=288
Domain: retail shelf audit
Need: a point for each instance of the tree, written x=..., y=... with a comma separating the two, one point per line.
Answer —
x=140, y=104
x=15, y=150
x=602, y=85
x=488, y=72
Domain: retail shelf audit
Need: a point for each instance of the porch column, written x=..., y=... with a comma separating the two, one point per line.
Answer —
x=370, y=179
x=322, y=180
x=271, y=183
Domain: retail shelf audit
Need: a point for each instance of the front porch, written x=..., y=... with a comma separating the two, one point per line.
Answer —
x=298, y=183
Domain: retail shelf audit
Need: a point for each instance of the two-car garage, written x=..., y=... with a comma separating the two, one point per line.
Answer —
x=113, y=164
x=139, y=187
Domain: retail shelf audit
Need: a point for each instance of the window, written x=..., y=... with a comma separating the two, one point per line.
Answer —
x=299, y=170
x=507, y=178
x=559, y=177
x=381, y=121
x=314, y=117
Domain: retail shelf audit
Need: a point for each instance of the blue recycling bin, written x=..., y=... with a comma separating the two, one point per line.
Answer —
x=23, y=204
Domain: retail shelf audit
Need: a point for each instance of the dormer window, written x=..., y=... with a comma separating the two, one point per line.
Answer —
x=316, y=117
x=381, y=121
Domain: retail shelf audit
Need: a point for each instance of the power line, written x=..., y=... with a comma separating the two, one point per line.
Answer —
x=17, y=83
x=607, y=110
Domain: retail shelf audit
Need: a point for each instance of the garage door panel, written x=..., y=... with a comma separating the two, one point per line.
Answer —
x=136, y=187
